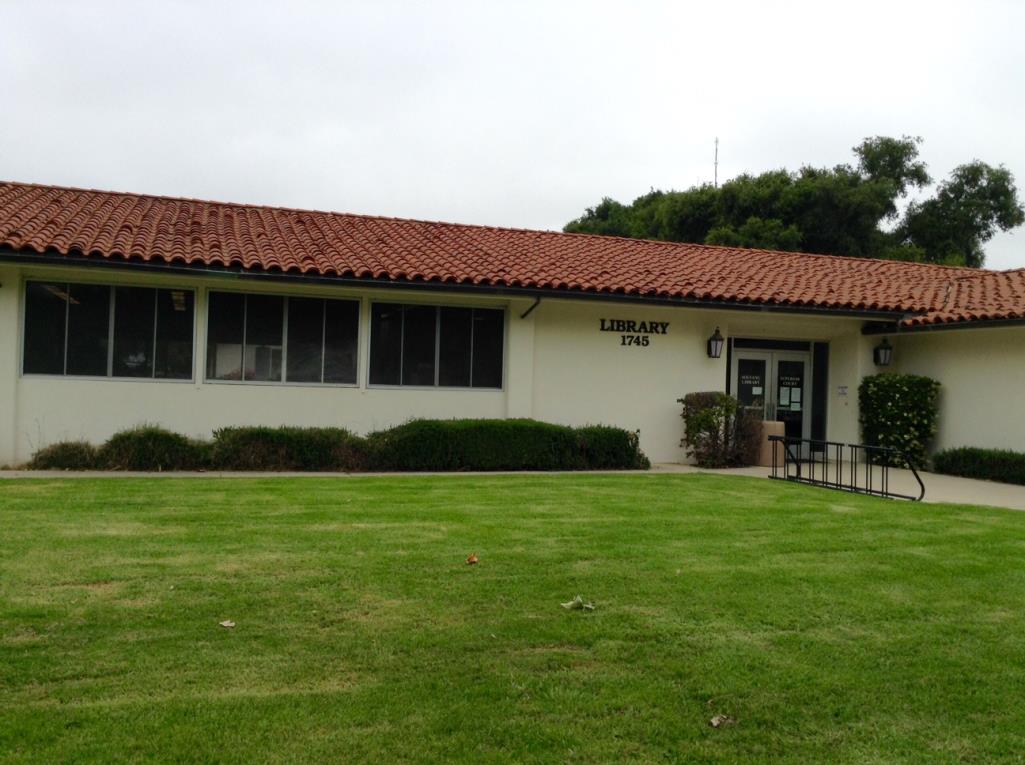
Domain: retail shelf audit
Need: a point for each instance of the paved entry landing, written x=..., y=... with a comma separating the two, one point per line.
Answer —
x=938, y=488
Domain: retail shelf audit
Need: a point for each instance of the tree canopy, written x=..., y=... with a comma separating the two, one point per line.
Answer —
x=849, y=209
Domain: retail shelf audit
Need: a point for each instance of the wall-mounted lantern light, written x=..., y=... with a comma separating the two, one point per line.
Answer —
x=715, y=344
x=882, y=354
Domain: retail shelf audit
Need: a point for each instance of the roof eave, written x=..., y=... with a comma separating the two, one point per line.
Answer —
x=10, y=255
x=897, y=328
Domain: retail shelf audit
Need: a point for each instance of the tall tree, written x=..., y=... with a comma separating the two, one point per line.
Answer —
x=894, y=161
x=844, y=210
x=967, y=211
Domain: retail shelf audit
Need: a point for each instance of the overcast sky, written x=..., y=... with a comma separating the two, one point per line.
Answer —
x=504, y=113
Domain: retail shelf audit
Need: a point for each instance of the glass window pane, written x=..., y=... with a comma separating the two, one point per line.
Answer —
x=133, y=331
x=341, y=341
x=790, y=399
x=385, y=343
x=305, y=335
x=454, y=349
x=88, y=325
x=45, y=307
x=419, y=333
x=175, y=310
x=264, y=320
x=224, y=336
x=488, y=347
x=751, y=385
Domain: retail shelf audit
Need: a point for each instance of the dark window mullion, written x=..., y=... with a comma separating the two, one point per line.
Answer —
x=284, y=338
x=437, y=345
x=473, y=331
x=111, y=301
x=402, y=343
x=153, y=351
x=323, y=337
x=67, y=321
x=245, y=326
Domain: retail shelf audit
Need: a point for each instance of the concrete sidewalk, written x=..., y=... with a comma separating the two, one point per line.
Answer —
x=938, y=488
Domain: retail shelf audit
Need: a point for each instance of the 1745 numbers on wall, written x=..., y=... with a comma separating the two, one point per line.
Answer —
x=636, y=333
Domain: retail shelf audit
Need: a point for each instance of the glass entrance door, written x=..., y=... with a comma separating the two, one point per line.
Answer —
x=751, y=372
x=789, y=397
x=775, y=385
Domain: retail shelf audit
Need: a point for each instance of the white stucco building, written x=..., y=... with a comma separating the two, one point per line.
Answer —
x=120, y=309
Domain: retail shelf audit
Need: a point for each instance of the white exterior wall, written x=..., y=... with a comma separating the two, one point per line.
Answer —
x=10, y=302
x=584, y=376
x=850, y=359
x=982, y=379
x=558, y=368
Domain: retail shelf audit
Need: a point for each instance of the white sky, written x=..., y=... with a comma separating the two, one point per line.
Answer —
x=505, y=113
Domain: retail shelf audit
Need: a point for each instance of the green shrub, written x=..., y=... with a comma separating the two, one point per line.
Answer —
x=607, y=448
x=900, y=412
x=448, y=445
x=987, y=464
x=441, y=445
x=65, y=455
x=288, y=448
x=718, y=432
x=149, y=447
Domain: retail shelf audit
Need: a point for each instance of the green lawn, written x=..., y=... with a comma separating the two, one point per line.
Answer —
x=831, y=627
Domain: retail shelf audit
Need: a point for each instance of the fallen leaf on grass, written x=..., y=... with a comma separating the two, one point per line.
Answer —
x=578, y=604
x=227, y=624
x=471, y=560
x=720, y=720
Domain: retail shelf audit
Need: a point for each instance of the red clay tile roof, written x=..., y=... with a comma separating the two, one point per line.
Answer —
x=136, y=227
x=979, y=296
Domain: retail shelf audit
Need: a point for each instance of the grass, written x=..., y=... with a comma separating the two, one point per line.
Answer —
x=830, y=627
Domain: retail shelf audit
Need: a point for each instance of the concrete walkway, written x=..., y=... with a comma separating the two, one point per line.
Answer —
x=938, y=488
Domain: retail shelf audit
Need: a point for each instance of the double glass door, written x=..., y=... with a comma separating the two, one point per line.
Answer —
x=775, y=385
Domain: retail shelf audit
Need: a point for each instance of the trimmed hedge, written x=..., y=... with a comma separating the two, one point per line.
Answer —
x=447, y=445
x=607, y=448
x=418, y=445
x=988, y=464
x=899, y=411
x=149, y=447
x=451, y=445
x=288, y=448
x=65, y=455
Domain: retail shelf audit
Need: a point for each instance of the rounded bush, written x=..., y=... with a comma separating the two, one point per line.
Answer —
x=288, y=448
x=65, y=455
x=452, y=445
x=149, y=447
x=607, y=448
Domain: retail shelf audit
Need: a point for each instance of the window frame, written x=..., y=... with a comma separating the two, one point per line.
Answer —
x=284, y=340
x=112, y=287
x=504, y=309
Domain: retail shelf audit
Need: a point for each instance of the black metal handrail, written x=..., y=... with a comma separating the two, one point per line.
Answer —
x=828, y=469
